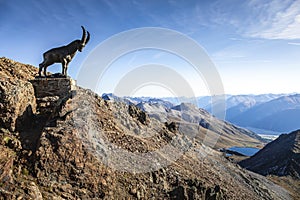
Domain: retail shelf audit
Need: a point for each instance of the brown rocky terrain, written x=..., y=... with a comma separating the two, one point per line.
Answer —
x=203, y=124
x=82, y=147
x=280, y=161
x=16, y=93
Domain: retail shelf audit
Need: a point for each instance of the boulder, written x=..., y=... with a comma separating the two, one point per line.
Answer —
x=138, y=114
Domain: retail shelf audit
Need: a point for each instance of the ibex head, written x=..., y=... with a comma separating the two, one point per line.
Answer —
x=84, y=40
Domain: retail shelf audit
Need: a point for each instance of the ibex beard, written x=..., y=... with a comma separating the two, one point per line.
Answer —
x=64, y=54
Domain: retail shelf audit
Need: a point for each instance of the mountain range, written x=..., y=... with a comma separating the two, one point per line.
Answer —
x=200, y=122
x=275, y=113
x=279, y=114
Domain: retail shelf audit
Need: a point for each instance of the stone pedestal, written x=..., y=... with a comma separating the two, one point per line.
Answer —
x=47, y=87
x=51, y=92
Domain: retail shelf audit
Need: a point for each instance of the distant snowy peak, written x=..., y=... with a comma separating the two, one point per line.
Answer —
x=278, y=114
x=292, y=99
x=137, y=100
x=250, y=100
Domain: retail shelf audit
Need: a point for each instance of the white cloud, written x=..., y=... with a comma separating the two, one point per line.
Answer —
x=277, y=20
x=268, y=19
x=294, y=43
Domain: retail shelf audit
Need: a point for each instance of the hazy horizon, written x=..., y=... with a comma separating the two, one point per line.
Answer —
x=162, y=97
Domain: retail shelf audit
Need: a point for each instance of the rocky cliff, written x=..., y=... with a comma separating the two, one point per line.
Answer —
x=280, y=157
x=279, y=161
x=79, y=146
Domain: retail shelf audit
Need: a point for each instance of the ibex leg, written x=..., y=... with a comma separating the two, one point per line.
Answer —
x=40, y=69
x=64, y=67
x=45, y=71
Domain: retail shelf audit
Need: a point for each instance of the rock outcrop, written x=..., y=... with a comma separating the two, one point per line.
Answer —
x=17, y=99
x=87, y=148
x=280, y=157
x=17, y=103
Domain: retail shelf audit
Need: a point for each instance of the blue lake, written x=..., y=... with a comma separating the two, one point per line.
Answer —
x=247, y=151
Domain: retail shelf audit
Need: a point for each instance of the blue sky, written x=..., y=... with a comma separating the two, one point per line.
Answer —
x=254, y=44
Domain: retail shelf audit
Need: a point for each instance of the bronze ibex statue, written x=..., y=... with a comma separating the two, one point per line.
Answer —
x=64, y=54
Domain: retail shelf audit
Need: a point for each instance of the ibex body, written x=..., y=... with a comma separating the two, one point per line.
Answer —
x=63, y=54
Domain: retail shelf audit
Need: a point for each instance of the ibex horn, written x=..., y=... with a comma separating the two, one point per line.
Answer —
x=83, y=35
x=88, y=38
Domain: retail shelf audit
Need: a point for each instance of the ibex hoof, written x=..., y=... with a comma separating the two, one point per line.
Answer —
x=39, y=76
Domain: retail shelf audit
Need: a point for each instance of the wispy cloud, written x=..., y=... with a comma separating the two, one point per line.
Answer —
x=228, y=53
x=294, y=43
x=236, y=39
x=185, y=16
x=269, y=19
x=277, y=19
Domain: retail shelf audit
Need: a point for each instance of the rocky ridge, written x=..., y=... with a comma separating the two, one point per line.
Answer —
x=77, y=152
x=279, y=161
x=203, y=124
x=280, y=157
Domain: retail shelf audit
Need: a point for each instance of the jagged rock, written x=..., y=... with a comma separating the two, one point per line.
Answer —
x=6, y=166
x=34, y=191
x=204, y=123
x=172, y=126
x=13, y=70
x=137, y=113
x=178, y=193
x=48, y=105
